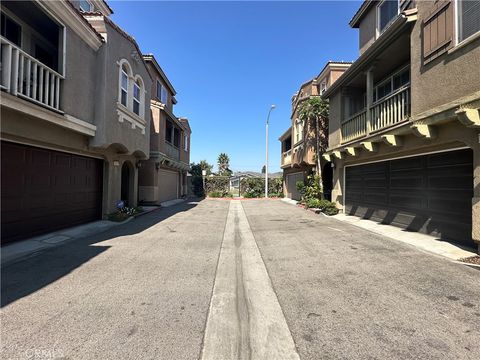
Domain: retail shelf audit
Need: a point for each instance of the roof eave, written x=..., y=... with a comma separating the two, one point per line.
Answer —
x=402, y=21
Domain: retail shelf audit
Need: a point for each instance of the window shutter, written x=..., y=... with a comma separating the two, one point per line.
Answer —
x=437, y=30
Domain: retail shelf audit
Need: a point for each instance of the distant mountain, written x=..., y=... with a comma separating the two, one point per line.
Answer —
x=257, y=174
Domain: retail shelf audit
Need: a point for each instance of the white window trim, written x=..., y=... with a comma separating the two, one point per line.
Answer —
x=132, y=81
x=185, y=142
x=135, y=100
x=456, y=15
x=62, y=44
x=377, y=18
x=89, y=3
x=323, y=87
x=390, y=80
x=122, y=72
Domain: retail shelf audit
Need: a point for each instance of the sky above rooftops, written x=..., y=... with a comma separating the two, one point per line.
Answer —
x=229, y=61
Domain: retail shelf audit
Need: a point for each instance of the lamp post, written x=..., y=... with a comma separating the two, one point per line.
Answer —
x=266, y=151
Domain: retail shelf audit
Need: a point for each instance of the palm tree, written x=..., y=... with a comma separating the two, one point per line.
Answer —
x=315, y=110
x=223, y=163
x=204, y=165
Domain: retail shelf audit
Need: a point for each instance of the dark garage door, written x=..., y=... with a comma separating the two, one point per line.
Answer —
x=430, y=193
x=44, y=190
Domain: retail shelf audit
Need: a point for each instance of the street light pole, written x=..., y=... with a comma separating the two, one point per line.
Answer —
x=266, y=151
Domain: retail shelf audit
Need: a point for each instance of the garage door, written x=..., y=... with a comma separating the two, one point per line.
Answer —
x=292, y=191
x=45, y=190
x=431, y=193
x=168, y=185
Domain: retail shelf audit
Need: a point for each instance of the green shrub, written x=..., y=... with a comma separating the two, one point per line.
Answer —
x=255, y=187
x=217, y=184
x=325, y=206
x=215, y=194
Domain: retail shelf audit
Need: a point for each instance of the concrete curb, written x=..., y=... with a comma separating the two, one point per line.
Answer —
x=420, y=241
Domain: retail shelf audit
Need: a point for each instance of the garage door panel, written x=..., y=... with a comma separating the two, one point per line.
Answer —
x=429, y=193
x=40, y=193
x=406, y=202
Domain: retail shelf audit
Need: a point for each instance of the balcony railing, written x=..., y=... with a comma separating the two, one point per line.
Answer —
x=389, y=111
x=25, y=76
x=355, y=126
x=287, y=157
x=172, y=151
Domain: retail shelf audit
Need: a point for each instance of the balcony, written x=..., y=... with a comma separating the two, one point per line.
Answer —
x=286, y=158
x=172, y=151
x=24, y=76
x=387, y=112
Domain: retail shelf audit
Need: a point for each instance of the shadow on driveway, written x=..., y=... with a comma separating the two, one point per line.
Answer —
x=25, y=277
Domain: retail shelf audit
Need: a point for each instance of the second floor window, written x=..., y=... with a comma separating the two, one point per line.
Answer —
x=169, y=132
x=298, y=131
x=387, y=10
x=136, y=98
x=85, y=6
x=323, y=87
x=124, y=86
x=176, y=137
x=11, y=30
x=391, y=84
x=185, y=142
x=468, y=18
x=161, y=93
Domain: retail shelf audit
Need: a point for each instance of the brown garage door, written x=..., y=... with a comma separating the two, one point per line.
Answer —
x=291, y=181
x=430, y=193
x=168, y=187
x=45, y=190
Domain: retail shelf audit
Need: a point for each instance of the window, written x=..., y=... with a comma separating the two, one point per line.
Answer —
x=323, y=87
x=162, y=94
x=298, y=131
x=11, y=30
x=163, y=97
x=136, y=97
x=85, y=5
x=387, y=10
x=185, y=142
x=159, y=90
x=176, y=137
x=468, y=18
x=392, y=84
x=124, y=86
x=169, y=132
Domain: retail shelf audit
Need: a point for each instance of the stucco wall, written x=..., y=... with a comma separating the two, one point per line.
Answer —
x=367, y=29
x=447, y=78
x=112, y=131
x=78, y=88
x=334, y=121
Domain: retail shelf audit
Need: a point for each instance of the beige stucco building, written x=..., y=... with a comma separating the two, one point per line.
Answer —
x=404, y=136
x=164, y=176
x=75, y=113
x=298, y=148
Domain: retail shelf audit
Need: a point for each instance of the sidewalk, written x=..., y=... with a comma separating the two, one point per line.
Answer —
x=423, y=242
x=19, y=250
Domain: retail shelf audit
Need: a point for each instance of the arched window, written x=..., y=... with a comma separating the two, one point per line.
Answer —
x=138, y=97
x=125, y=75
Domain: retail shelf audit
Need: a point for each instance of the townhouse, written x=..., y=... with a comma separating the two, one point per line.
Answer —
x=404, y=128
x=298, y=158
x=75, y=111
x=164, y=176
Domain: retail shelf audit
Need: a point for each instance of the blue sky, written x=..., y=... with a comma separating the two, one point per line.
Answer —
x=229, y=61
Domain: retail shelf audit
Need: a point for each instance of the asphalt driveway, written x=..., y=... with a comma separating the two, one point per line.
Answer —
x=350, y=294
x=144, y=290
